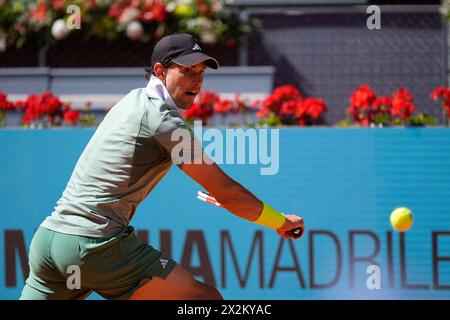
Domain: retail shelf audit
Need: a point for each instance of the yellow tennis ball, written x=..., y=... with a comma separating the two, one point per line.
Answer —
x=402, y=219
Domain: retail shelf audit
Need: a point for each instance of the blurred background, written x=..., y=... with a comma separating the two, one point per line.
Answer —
x=358, y=89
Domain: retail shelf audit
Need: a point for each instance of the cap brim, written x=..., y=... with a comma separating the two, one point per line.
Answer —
x=197, y=57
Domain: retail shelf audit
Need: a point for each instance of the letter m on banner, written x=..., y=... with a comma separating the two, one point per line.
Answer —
x=14, y=243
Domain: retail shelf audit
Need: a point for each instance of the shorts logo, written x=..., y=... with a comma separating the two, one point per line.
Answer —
x=163, y=262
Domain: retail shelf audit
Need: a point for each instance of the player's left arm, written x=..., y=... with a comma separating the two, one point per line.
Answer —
x=231, y=194
x=173, y=133
x=238, y=200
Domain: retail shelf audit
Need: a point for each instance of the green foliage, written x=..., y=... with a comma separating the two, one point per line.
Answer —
x=88, y=120
x=271, y=120
x=422, y=120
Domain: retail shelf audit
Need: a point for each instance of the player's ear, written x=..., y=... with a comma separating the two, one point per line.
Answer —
x=160, y=71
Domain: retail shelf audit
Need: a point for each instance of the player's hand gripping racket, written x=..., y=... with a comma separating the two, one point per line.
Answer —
x=206, y=197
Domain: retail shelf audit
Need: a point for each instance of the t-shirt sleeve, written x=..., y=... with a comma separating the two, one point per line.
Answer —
x=178, y=139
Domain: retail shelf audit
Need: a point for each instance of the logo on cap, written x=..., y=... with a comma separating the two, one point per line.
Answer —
x=196, y=47
x=163, y=262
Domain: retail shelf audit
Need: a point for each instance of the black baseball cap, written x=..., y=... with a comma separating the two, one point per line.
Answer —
x=183, y=49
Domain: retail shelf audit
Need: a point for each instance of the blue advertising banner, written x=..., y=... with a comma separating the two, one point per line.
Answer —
x=343, y=182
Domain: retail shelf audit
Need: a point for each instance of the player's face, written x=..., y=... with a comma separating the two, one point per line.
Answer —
x=184, y=83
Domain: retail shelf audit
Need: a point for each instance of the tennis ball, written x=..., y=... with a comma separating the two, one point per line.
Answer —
x=402, y=219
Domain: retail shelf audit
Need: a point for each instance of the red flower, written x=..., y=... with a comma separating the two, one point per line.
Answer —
x=402, y=104
x=362, y=97
x=114, y=12
x=202, y=8
x=51, y=104
x=263, y=112
x=256, y=104
x=314, y=107
x=382, y=103
x=154, y=10
x=444, y=94
x=4, y=103
x=159, y=11
x=309, y=109
x=204, y=108
x=440, y=92
x=71, y=116
x=239, y=105
x=40, y=12
x=57, y=4
x=223, y=106
x=289, y=108
x=118, y=7
x=279, y=96
x=32, y=112
x=381, y=106
x=193, y=112
x=29, y=117
x=40, y=106
x=361, y=101
x=364, y=122
x=20, y=104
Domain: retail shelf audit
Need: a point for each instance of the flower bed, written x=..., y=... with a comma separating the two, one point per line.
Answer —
x=284, y=106
x=287, y=106
x=44, y=110
x=212, y=21
x=368, y=109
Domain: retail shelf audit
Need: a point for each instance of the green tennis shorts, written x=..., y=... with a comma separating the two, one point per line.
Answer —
x=66, y=266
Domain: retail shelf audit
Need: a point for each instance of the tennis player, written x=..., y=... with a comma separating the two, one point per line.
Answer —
x=129, y=153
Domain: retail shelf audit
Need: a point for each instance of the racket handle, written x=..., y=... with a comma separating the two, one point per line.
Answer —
x=295, y=233
x=210, y=201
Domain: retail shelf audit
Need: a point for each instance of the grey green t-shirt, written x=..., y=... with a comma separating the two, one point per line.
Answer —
x=129, y=153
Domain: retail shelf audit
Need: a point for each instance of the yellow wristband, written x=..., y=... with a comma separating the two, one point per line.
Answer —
x=270, y=217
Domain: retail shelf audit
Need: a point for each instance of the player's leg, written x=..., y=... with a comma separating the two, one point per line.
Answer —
x=125, y=266
x=46, y=280
x=178, y=285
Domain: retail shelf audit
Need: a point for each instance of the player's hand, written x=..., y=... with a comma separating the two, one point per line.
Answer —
x=292, y=222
